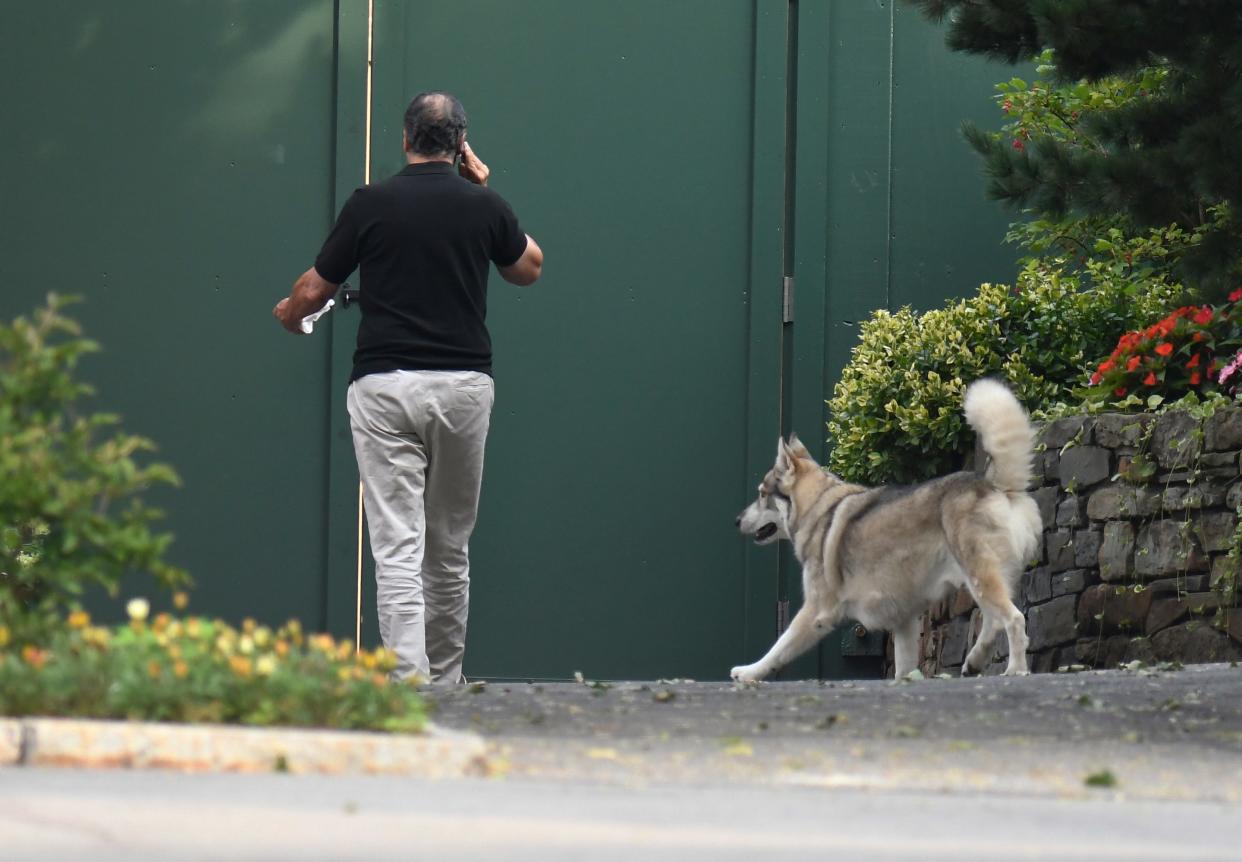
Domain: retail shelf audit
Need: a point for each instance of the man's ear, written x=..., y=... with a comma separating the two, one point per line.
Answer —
x=405, y=142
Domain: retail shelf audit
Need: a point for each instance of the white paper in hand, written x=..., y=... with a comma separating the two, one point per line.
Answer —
x=308, y=322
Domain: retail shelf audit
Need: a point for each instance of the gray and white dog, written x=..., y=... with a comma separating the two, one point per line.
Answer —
x=883, y=555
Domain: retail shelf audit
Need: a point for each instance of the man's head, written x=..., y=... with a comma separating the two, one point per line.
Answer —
x=435, y=125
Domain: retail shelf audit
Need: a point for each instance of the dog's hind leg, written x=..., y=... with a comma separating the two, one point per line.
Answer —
x=906, y=647
x=801, y=635
x=989, y=587
x=982, y=649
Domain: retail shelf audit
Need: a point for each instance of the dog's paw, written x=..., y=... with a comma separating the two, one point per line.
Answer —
x=748, y=673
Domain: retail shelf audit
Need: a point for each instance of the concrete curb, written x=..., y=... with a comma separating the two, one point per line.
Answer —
x=437, y=753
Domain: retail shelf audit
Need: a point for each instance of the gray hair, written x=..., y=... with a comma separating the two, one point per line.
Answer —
x=435, y=123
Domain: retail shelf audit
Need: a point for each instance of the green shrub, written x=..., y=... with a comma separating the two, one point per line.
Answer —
x=201, y=670
x=71, y=515
x=896, y=413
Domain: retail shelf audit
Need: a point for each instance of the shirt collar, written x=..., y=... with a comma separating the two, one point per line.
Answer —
x=427, y=168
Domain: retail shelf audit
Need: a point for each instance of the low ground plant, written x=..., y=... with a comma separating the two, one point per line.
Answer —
x=200, y=670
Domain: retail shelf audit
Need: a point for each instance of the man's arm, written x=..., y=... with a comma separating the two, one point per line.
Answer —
x=310, y=293
x=527, y=268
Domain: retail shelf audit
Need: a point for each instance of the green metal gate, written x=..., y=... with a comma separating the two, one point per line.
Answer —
x=682, y=163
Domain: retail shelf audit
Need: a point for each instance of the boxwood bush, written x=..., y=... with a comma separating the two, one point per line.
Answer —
x=896, y=413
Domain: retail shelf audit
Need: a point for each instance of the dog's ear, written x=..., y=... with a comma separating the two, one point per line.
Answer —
x=789, y=456
x=782, y=455
x=796, y=449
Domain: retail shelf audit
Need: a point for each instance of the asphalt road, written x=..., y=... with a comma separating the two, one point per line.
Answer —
x=1161, y=734
x=938, y=769
x=127, y=816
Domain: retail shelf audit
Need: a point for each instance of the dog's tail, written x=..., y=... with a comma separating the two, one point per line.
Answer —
x=1005, y=431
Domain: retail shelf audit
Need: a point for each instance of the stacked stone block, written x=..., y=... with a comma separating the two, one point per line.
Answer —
x=1139, y=514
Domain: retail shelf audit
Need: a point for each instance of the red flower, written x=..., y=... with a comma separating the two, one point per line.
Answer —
x=1195, y=378
x=1194, y=360
x=1236, y=295
x=1106, y=366
x=1150, y=379
x=1018, y=145
x=1120, y=391
x=1164, y=348
x=1198, y=336
x=1204, y=315
x=1095, y=378
x=1133, y=363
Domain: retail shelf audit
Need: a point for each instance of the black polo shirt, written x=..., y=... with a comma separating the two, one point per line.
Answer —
x=422, y=241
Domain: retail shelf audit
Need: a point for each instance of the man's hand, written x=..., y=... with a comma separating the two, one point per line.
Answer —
x=310, y=293
x=471, y=167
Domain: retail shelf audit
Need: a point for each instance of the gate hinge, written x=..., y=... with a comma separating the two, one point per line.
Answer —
x=782, y=615
x=787, y=299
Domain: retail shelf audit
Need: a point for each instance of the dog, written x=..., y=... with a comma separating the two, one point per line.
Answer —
x=883, y=555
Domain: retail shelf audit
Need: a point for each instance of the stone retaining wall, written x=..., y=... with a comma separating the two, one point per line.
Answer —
x=1139, y=513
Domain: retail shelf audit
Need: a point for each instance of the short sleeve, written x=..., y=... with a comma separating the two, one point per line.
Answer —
x=339, y=255
x=508, y=238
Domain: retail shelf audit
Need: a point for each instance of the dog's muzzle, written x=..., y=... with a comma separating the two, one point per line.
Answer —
x=761, y=523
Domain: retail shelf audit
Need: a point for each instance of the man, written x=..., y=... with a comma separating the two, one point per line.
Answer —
x=420, y=396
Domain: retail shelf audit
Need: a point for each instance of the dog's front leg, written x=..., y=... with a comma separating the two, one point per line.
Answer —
x=797, y=639
x=906, y=647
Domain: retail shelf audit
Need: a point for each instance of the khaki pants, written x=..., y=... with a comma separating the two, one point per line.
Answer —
x=419, y=437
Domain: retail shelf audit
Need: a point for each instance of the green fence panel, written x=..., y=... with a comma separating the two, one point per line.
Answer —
x=172, y=163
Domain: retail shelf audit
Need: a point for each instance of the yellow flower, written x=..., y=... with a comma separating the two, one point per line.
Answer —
x=323, y=643
x=343, y=674
x=225, y=643
x=266, y=665
x=138, y=609
x=153, y=669
x=161, y=622
x=97, y=636
x=4, y=636
x=79, y=620
x=180, y=601
x=370, y=661
x=282, y=648
x=249, y=625
x=246, y=645
x=193, y=627
x=386, y=660
x=344, y=650
x=379, y=680
x=181, y=670
x=262, y=637
x=240, y=666
x=174, y=651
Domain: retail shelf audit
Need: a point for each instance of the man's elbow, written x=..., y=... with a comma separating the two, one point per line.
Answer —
x=530, y=274
x=528, y=267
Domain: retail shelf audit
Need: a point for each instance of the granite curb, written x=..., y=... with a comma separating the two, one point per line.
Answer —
x=89, y=743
